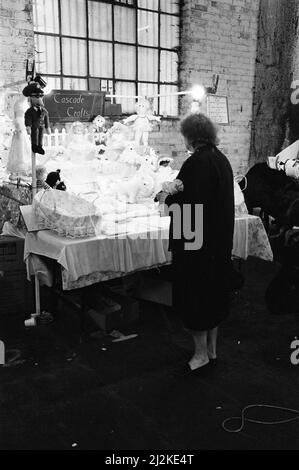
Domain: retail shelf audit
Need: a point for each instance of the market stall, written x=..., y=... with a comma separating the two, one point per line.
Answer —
x=145, y=245
x=101, y=222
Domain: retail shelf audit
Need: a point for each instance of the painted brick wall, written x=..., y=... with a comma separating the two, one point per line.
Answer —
x=16, y=39
x=221, y=37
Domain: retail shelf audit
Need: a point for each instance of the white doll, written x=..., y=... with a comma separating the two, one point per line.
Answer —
x=142, y=122
x=99, y=130
x=79, y=148
x=19, y=157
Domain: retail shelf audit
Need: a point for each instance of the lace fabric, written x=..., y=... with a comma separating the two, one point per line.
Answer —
x=66, y=214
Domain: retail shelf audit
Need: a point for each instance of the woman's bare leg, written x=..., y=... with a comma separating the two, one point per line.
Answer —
x=200, y=357
x=212, y=343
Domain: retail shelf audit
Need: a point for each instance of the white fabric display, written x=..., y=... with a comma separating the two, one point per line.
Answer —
x=11, y=230
x=144, y=246
x=240, y=206
x=240, y=241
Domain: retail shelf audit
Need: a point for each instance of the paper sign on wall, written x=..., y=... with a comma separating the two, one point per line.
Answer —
x=217, y=109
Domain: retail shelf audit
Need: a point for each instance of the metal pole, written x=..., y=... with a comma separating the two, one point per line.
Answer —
x=36, y=281
x=37, y=295
x=33, y=158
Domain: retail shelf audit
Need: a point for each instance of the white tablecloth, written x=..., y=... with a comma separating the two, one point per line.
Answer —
x=144, y=246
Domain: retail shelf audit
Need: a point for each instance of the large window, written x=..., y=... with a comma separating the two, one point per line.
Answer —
x=127, y=47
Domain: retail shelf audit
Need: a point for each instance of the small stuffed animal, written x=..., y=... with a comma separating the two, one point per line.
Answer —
x=130, y=156
x=138, y=187
x=149, y=162
x=54, y=181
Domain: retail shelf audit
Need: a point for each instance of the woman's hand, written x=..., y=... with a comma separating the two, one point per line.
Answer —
x=173, y=187
x=160, y=197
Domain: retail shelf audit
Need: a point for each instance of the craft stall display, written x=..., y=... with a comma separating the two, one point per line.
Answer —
x=111, y=169
x=105, y=222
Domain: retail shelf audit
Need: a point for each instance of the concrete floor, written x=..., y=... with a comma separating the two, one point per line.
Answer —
x=61, y=393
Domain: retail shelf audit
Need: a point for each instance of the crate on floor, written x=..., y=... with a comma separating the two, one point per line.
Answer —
x=114, y=311
x=12, y=254
x=16, y=293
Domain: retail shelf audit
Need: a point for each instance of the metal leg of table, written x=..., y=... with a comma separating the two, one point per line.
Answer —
x=32, y=321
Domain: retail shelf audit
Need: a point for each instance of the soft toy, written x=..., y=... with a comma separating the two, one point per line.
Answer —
x=108, y=165
x=117, y=136
x=146, y=188
x=54, y=181
x=164, y=173
x=142, y=122
x=78, y=147
x=36, y=117
x=149, y=162
x=99, y=122
x=136, y=188
x=130, y=156
x=164, y=162
x=99, y=130
x=115, y=141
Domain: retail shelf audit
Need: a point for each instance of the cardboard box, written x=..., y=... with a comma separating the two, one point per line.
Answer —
x=124, y=311
x=107, y=311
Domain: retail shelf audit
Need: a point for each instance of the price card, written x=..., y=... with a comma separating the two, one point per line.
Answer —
x=217, y=109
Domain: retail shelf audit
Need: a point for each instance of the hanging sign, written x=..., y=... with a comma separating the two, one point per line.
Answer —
x=71, y=105
x=217, y=109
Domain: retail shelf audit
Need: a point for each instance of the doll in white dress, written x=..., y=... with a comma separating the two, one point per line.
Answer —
x=142, y=122
x=19, y=157
x=79, y=148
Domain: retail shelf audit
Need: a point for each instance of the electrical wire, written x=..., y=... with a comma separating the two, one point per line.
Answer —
x=243, y=418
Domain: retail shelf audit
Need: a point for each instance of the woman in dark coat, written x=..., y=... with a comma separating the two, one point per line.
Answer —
x=201, y=261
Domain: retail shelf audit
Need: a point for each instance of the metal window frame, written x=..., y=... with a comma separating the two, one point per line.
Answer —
x=87, y=39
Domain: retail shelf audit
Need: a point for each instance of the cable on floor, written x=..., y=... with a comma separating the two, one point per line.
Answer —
x=243, y=418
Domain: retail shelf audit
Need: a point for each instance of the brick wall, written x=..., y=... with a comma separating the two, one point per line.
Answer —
x=16, y=39
x=221, y=37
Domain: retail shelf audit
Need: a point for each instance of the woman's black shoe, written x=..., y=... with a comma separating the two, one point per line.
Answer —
x=186, y=371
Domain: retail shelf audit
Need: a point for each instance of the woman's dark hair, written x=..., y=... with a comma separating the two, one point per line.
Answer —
x=198, y=128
